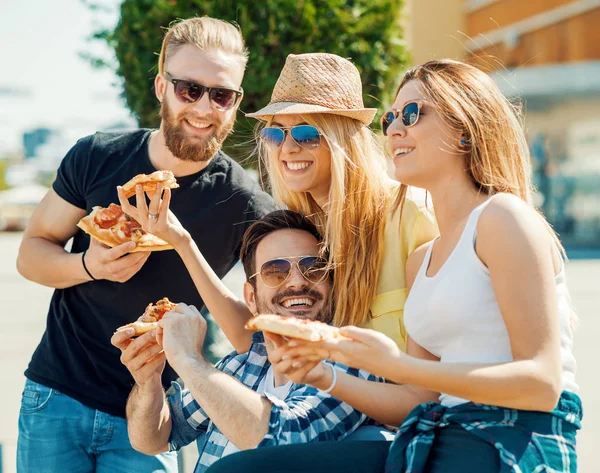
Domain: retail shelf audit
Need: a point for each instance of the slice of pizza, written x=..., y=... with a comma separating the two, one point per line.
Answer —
x=149, y=182
x=113, y=227
x=292, y=327
x=149, y=319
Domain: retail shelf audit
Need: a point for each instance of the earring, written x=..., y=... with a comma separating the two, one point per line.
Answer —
x=463, y=142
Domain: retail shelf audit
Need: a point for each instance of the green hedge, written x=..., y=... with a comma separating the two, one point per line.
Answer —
x=366, y=31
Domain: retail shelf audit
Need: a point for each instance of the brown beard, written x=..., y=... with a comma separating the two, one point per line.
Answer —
x=187, y=149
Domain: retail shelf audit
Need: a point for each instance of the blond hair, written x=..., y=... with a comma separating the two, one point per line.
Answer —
x=204, y=33
x=496, y=153
x=353, y=221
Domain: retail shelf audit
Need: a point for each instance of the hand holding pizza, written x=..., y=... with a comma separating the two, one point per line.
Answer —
x=181, y=332
x=155, y=218
x=114, y=264
x=297, y=370
x=142, y=356
x=359, y=348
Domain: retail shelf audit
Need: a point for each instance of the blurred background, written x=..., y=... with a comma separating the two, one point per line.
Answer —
x=73, y=67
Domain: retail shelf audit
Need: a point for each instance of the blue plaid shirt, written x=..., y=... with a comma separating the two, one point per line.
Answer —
x=306, y=414
x=527, y=441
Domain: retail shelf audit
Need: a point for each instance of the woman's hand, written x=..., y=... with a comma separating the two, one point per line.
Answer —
x=299, y=370
x=155, y=218
x=360, y=348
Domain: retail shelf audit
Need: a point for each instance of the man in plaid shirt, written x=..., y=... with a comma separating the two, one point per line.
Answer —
x=241, y=403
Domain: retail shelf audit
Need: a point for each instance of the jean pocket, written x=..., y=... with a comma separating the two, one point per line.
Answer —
x=35, y=397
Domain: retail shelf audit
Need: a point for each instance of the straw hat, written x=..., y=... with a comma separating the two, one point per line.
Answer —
x=317, y=83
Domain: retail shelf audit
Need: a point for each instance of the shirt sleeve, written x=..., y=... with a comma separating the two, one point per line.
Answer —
x=70, y=182
x=310, y=415
x=188, y=420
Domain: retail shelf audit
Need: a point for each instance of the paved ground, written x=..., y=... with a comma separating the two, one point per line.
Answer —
x=24, y=314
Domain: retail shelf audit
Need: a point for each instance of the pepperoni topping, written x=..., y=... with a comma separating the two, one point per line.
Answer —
x=109, y=216
x=129, y=227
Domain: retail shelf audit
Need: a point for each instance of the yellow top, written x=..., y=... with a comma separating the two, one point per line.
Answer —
x=402, y=237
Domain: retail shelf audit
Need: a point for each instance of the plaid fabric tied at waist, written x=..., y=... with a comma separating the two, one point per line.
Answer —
x=527, y=441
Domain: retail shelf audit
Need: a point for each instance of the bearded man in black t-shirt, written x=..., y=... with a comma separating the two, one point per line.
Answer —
x=73, y=405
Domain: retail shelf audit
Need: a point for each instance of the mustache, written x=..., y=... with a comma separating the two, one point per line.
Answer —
x=305, y=292
x=209, y=120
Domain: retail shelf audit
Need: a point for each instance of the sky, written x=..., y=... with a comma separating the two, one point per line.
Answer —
x=44, y=81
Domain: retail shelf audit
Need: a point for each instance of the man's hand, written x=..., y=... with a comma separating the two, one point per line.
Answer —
x=111, y=263
x=142, y=356
x=181, y=332
x=299, y=370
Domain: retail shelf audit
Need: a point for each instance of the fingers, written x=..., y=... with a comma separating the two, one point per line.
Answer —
x=283, y=366
x=359, y=334
x=183, y=308
x=155, y=200
x=163, y=215
x=125, y=205
x=140, y=202
x=151, y=367
x=308, y=350
x=159, y=335
x=118, y=251
x=143, y=357
x=122, y=338
x=136, y=346
x=302, y=369
x=277, y=339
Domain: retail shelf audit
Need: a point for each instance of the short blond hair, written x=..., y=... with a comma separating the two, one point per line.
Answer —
x=204, y=33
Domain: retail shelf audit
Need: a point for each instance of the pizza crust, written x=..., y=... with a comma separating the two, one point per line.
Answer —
x=149, y=319
x=109, y=237
x=140, y=327
x=293, y=327
x=149, y=182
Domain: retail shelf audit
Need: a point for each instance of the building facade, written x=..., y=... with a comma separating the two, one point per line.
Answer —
x=547, y=54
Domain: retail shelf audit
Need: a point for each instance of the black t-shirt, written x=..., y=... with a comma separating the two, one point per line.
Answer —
x=216, y=205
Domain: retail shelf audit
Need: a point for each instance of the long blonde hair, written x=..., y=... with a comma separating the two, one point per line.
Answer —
x=353, y=222
x=496, y=154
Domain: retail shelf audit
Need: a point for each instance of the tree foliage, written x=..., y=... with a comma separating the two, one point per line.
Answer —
x=365, y=31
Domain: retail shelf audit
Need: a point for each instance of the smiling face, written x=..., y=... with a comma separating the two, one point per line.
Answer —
x=427, y=151
x=296, y=296
x=302, y=170
x=196, y=131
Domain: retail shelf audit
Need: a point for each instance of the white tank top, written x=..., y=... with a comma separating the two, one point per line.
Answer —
x=455, y=315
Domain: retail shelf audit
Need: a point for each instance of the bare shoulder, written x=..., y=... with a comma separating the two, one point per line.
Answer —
x=507, y=214
x=509, y=223
x=414, y=262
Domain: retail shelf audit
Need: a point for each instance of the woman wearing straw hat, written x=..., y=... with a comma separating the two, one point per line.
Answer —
x=323, y=161
x=488, y=316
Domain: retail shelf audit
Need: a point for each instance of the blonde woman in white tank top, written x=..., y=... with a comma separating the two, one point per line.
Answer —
x=488, y=314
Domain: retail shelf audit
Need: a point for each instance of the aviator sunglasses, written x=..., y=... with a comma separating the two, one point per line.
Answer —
x=221, y=98
x=410, y=114
x=277, y=271
x=305, y=136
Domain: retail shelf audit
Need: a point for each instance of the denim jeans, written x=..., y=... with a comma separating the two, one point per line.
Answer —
x=59, y=434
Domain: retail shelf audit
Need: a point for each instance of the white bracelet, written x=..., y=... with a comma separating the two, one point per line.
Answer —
x=333, y=381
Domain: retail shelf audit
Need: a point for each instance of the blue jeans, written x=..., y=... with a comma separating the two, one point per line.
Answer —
x=59, y=434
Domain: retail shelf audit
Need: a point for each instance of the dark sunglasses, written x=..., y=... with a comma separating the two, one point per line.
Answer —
x=277, y=271
x=306, y=136
x=221, y=98
x=410, y=116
